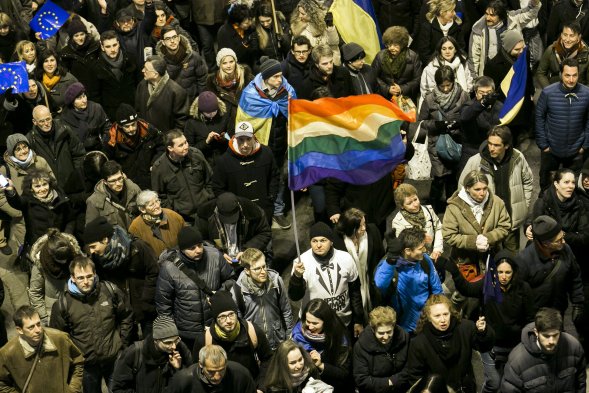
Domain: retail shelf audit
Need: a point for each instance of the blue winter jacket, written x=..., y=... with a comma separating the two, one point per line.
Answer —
x=413, y=288
x=562, y=123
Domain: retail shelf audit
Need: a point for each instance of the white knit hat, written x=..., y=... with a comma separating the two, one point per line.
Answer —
x=224, y=52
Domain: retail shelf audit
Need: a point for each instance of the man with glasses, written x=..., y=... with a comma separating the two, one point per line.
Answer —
x=261, y=297
x=114, y=197
x=296, y=66
x=134, y=35
x=184, y=64
x=159, y=99
x=97, y=318
x=213, y=373
x=157, y=226
x=149, y=365
x=132, y=140
x=244, y=342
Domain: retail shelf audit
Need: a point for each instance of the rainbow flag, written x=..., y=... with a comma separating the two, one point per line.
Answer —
x=355, y=139
x=514, y=88
x=356, y=22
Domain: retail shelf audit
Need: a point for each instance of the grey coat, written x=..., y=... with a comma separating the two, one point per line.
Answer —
x=100, y=204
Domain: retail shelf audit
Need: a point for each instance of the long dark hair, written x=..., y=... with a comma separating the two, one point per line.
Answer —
x=278, y=376
x=459, y=52
x=333, y=327
x=44, y=55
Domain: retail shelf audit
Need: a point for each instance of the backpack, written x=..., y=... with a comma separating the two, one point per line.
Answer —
x=251, y=332
x=63, y=302
x=241, y=302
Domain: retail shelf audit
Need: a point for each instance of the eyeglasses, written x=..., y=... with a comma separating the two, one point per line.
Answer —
x=223, y=318
x=172, y=38
x=258, y=269
x=119, y=179
x=169, y=343
x=300, y=52
x=126, y=21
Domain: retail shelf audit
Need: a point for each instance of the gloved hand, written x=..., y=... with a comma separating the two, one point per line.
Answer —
x=482, y=243
x=578, y=313
x=9, y=95
x=329, y=19
x=441, y=125
x=489, y=100
x=453, y=125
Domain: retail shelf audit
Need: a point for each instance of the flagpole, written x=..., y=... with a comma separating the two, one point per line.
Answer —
x=294, y=225
x=274, y=17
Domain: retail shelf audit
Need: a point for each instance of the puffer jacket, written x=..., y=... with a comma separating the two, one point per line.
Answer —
x=44, y=288
x=530, y=370
x=121, y=213
x=520, y=182
x=98, y=323
x=177, y=296
x=478, y=44
x=561, y=119
x=269, y=309
x=460, y=227
x=376, y=364
x=185, y=186
x=190, y=73
x=408, y=81
x=549, y=68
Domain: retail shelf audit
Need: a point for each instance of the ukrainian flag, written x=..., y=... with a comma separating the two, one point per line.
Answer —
x=514, y=88
x=356, y=22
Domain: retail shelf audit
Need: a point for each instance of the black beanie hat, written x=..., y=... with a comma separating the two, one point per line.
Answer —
x=207, y=102
x=125, y=114
x=221, y=302
x=321, y=229
x=96, y=230
x=76, y=26
x=188, y=238
x=352, y=51
x=269, y=67
x=545, y=228
x=72, y=92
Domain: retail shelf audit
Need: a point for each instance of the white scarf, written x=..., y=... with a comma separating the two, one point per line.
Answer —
x=476, y=207
x=360, y=257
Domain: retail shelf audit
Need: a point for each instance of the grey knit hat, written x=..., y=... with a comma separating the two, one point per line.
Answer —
x=223, y=53
x=14, y=140
x=164, y=327
x=510, y=38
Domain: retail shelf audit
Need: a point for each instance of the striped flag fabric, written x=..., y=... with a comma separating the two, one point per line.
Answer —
x=514, y=88
x=356, y=22
x=355, y=139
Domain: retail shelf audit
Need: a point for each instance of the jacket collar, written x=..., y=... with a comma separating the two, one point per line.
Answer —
x=48, y=346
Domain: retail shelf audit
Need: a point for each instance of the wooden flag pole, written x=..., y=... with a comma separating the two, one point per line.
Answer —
x=274, y=17
x=294, y=225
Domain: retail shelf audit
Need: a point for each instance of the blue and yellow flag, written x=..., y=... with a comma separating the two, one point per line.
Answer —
x=48, y=20
x=514, y=88
x=356, y=22
x=15, y=76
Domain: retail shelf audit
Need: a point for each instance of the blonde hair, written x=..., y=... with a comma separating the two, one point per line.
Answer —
x=316, y=13
x=436, y=7
x=239, y=74
x=265, y=9
x=20, y=48
x=382, y=316
x=403, y=191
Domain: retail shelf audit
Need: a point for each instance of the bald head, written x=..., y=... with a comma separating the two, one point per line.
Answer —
x=42, y=118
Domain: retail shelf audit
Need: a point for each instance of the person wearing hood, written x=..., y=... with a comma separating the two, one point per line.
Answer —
x=510, y=178
x=248, y=169
x=562, y=129
x=415, y=274
x=100, y=332
x=149, y=365
x=51, y=256
x=128, y=262
x=547, y=359
x=507, y=315
x=185, y=65
x=363, y=76
x=207, y=129
x=79, y=56
x=19, y=158
x=381, y=353
x=267, y=97
x=85, y=117
x=261, y=297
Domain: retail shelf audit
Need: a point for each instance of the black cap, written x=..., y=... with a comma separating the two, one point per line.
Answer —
x=228, y=208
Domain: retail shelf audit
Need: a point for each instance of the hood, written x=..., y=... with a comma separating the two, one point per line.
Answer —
x=235, y=150
x=271, y=283
x=11, y=164
x=194, y=109
x=530, y=341
x=36, y=249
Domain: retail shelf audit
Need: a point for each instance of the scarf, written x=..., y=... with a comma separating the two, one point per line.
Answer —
x=51, y=196
x=228, y=84
x=254, y=288
x=322, y=260
x=116, y=65
x=446, y=100
x=494, y=39
x=74, y=290
x=562, y=53
x=178, y=57
x=228, y=336
x=50, y=81
x=360, y=257
x=23, y=164
x=416, y=220
x=240, y=32
x=298, y=378
x=313, y=337
x=152, y=220
x=117, y=251
x=476, y=207
x=445, y=344
x=394, y=66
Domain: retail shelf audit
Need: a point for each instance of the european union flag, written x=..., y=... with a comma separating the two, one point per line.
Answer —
x=491, y=286
x=14, y=75
x=48, y=20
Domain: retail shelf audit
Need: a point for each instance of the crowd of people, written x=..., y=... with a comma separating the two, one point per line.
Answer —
x=139, y=191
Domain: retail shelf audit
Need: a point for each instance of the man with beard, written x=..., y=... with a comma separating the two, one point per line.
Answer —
x=59, y=363
x=324, y=73
x=97, y=318
x=127, y=262
x=132, y=140
x=547, y=359
x=149, y=365
x=159, y=227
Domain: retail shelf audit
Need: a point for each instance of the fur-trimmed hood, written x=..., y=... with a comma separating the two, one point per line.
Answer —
x=40, y=243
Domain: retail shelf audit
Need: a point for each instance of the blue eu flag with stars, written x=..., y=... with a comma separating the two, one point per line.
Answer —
x=491, y=286
x=48, y=20
x=14, y=75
